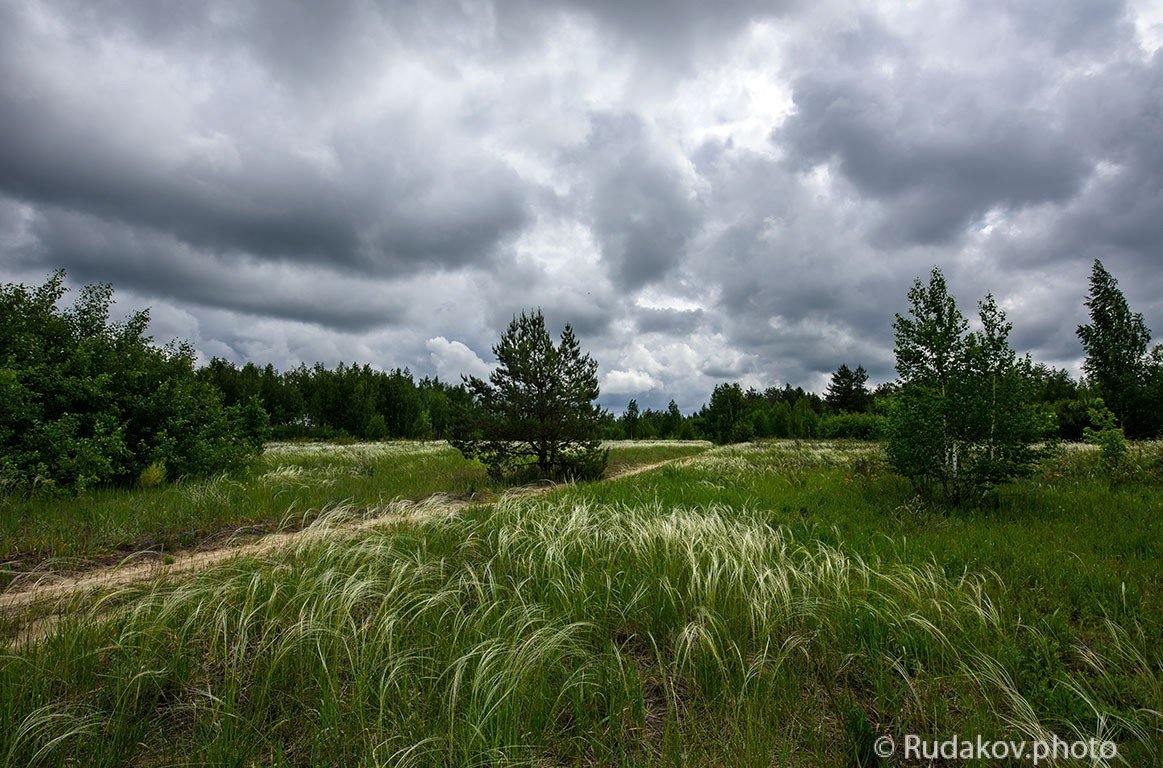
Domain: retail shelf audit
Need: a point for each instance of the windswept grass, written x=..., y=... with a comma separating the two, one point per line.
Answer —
x=290, y=485
x=680, y=617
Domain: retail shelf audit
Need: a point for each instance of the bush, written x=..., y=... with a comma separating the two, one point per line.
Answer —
x=1112, y=443
x=87, y=402
x=153, y=475
x=854, y=426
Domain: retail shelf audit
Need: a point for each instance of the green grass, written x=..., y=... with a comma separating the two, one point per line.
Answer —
x=290, y=485
x=759, y=605
x=1062, y=539
x=628, y=454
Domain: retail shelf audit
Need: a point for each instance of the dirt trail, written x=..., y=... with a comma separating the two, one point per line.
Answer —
x=58, y=590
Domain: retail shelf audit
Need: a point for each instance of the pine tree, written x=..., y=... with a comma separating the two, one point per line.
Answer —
x=537, y=411
x=848, y=390
x=630, y=419
x=1116, y=342
x=672, y=421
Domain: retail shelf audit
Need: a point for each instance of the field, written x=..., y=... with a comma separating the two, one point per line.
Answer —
x=766, y=604
x=291, y=485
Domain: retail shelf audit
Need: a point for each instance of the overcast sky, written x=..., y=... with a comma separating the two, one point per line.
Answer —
x=707, y=191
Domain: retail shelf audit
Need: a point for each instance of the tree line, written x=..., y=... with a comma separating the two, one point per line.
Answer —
x=85, y=401
x=1123, y=377
x=346, y=401
x=849, y=408
x=358, y=401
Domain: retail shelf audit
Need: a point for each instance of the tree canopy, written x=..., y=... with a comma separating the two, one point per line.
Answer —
x=538, y=409
x=85, y=401
x=1116, y=341
x=964, y=417
x=848, y=390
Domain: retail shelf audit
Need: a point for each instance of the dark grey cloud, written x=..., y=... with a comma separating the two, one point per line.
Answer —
x=310, y=44
x=932, y=147
x=380, y=196
x=1123, y=116
x=1116, y=217
x=152, y=263
x=1085, y=27
x=386, y=206
x=675, y=32
x=670, y=321
x=731, y=372
x=705, y=191
x=1011, y=168
x=639, y=204
x=306, y=46
x=794, y=289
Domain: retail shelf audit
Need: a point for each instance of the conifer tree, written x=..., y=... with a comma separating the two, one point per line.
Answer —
x=1116, y=342
x=630, y=419
x=848, y=390
x=537, y=412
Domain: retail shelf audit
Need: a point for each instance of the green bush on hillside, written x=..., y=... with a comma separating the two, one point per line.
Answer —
x=86, y=402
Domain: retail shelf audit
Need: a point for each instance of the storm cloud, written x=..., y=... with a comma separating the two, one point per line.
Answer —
x=705, y=191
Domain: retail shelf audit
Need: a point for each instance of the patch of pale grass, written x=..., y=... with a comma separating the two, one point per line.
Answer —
x=775, y=455
x=214, y=491
x=628, y=444
x=346, y=451
x=297, y=474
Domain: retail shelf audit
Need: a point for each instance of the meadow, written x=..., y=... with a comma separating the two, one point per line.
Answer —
x=289, y=486
x=764, y=604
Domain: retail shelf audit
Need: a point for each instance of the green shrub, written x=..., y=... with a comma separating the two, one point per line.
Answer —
x=1112, y=443
x=855, y=426
x=86, y=402
x=153, y=475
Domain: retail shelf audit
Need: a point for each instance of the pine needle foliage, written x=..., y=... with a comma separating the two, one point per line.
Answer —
x=537, y=413
x=1117, y=362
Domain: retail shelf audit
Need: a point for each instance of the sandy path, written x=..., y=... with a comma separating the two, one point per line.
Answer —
x=60, y=590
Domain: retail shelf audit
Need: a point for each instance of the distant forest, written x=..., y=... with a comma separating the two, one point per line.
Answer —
x=358, y=401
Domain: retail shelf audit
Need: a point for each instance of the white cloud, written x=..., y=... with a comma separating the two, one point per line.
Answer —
x=451, y=359
x=628, y=382
x=1148, y=24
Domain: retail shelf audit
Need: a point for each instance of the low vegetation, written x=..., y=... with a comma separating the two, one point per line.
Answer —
x=761, y=604
x=290, y=485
